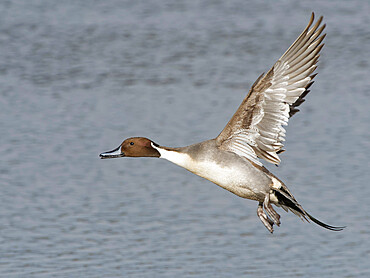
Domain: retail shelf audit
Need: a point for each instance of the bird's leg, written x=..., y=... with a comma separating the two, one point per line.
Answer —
x=270, y=210
x=265, y=220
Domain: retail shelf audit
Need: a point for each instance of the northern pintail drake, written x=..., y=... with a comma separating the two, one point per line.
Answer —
x=231, y=160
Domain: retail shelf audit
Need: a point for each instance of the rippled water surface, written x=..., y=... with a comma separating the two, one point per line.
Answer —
x=77, y=77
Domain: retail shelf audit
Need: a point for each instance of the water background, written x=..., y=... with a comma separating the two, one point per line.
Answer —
x=78, y=77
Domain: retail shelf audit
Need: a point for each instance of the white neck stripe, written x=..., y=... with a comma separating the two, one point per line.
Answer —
x=181, y=159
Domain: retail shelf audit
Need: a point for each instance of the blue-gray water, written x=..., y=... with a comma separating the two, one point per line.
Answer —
x=77, y=77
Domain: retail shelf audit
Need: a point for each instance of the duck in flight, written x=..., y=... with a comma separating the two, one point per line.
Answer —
x=231, y=160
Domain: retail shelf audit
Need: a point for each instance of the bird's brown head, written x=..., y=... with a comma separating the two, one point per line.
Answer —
x=133, y=147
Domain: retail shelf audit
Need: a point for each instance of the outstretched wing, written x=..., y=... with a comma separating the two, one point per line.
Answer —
x=256, y=129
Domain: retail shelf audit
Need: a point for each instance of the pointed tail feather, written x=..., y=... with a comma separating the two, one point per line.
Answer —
x=326, y=226
x=287, y=201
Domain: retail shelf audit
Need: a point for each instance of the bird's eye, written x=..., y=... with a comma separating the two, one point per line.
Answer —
x=131, y=143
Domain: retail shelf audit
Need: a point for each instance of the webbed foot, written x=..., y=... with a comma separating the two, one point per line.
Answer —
x=264, y=219
x=270, y=210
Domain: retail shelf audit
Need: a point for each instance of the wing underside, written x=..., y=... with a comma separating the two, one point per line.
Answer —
x=256, y=129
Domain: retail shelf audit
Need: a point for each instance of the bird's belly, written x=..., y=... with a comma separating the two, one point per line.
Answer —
x=240, y=180
x=225, y=169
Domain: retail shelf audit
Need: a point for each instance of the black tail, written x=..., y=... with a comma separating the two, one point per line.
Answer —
x=288, y=202
x=326, y=226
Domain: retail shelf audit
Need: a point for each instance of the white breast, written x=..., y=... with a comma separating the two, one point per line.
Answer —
x=228, y=178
